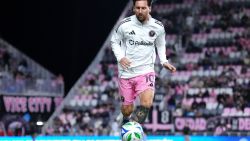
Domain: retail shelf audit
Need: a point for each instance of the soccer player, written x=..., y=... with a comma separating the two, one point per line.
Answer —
x=134, y=43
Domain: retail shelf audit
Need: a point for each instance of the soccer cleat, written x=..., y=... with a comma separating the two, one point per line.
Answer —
x=124, y=121
x=121, y=120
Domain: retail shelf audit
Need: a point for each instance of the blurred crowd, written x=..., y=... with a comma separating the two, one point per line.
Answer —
x=20, y=76
x=17, y=77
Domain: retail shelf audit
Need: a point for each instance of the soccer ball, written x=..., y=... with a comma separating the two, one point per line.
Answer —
x=132, y=131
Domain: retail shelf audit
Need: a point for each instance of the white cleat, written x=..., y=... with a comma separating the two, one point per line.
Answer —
x=119, y=118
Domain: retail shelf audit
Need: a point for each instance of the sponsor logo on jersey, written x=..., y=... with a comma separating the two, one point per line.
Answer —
x=137, y=43
x=152, y=33
x=132, y=32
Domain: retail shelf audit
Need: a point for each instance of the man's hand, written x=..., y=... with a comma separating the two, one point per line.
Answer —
x=125, y=63
x=169, y=67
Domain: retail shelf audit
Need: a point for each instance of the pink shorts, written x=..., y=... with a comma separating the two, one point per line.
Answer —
x=130, y=88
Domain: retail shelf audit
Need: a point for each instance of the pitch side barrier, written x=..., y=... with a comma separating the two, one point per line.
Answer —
x=115, y=138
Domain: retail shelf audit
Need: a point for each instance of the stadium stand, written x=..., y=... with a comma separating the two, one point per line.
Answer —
x=20, y=75
x=26, y=89
x=209, y=42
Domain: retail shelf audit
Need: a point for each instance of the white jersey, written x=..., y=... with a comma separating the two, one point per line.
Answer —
x=137, y=41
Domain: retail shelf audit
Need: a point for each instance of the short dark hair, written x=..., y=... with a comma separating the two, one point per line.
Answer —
x=149, y=2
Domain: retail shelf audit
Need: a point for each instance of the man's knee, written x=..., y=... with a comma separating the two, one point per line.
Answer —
x=147, y=103
x=127, y=110
x=146, y=98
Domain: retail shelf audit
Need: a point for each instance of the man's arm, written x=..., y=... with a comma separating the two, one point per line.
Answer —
x=115, y=44
x=161, y=49
x=116, y=40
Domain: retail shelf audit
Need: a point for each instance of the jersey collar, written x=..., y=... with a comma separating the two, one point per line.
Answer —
x=145, y=23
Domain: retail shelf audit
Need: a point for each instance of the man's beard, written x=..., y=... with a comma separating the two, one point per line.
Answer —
x=141, y=18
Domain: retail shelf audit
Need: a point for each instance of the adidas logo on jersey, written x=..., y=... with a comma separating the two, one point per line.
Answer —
x=132, y=32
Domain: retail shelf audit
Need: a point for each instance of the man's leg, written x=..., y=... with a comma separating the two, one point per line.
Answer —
x=126, y=90
x=146, y=100
x=145, y=90
x=126, y=111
